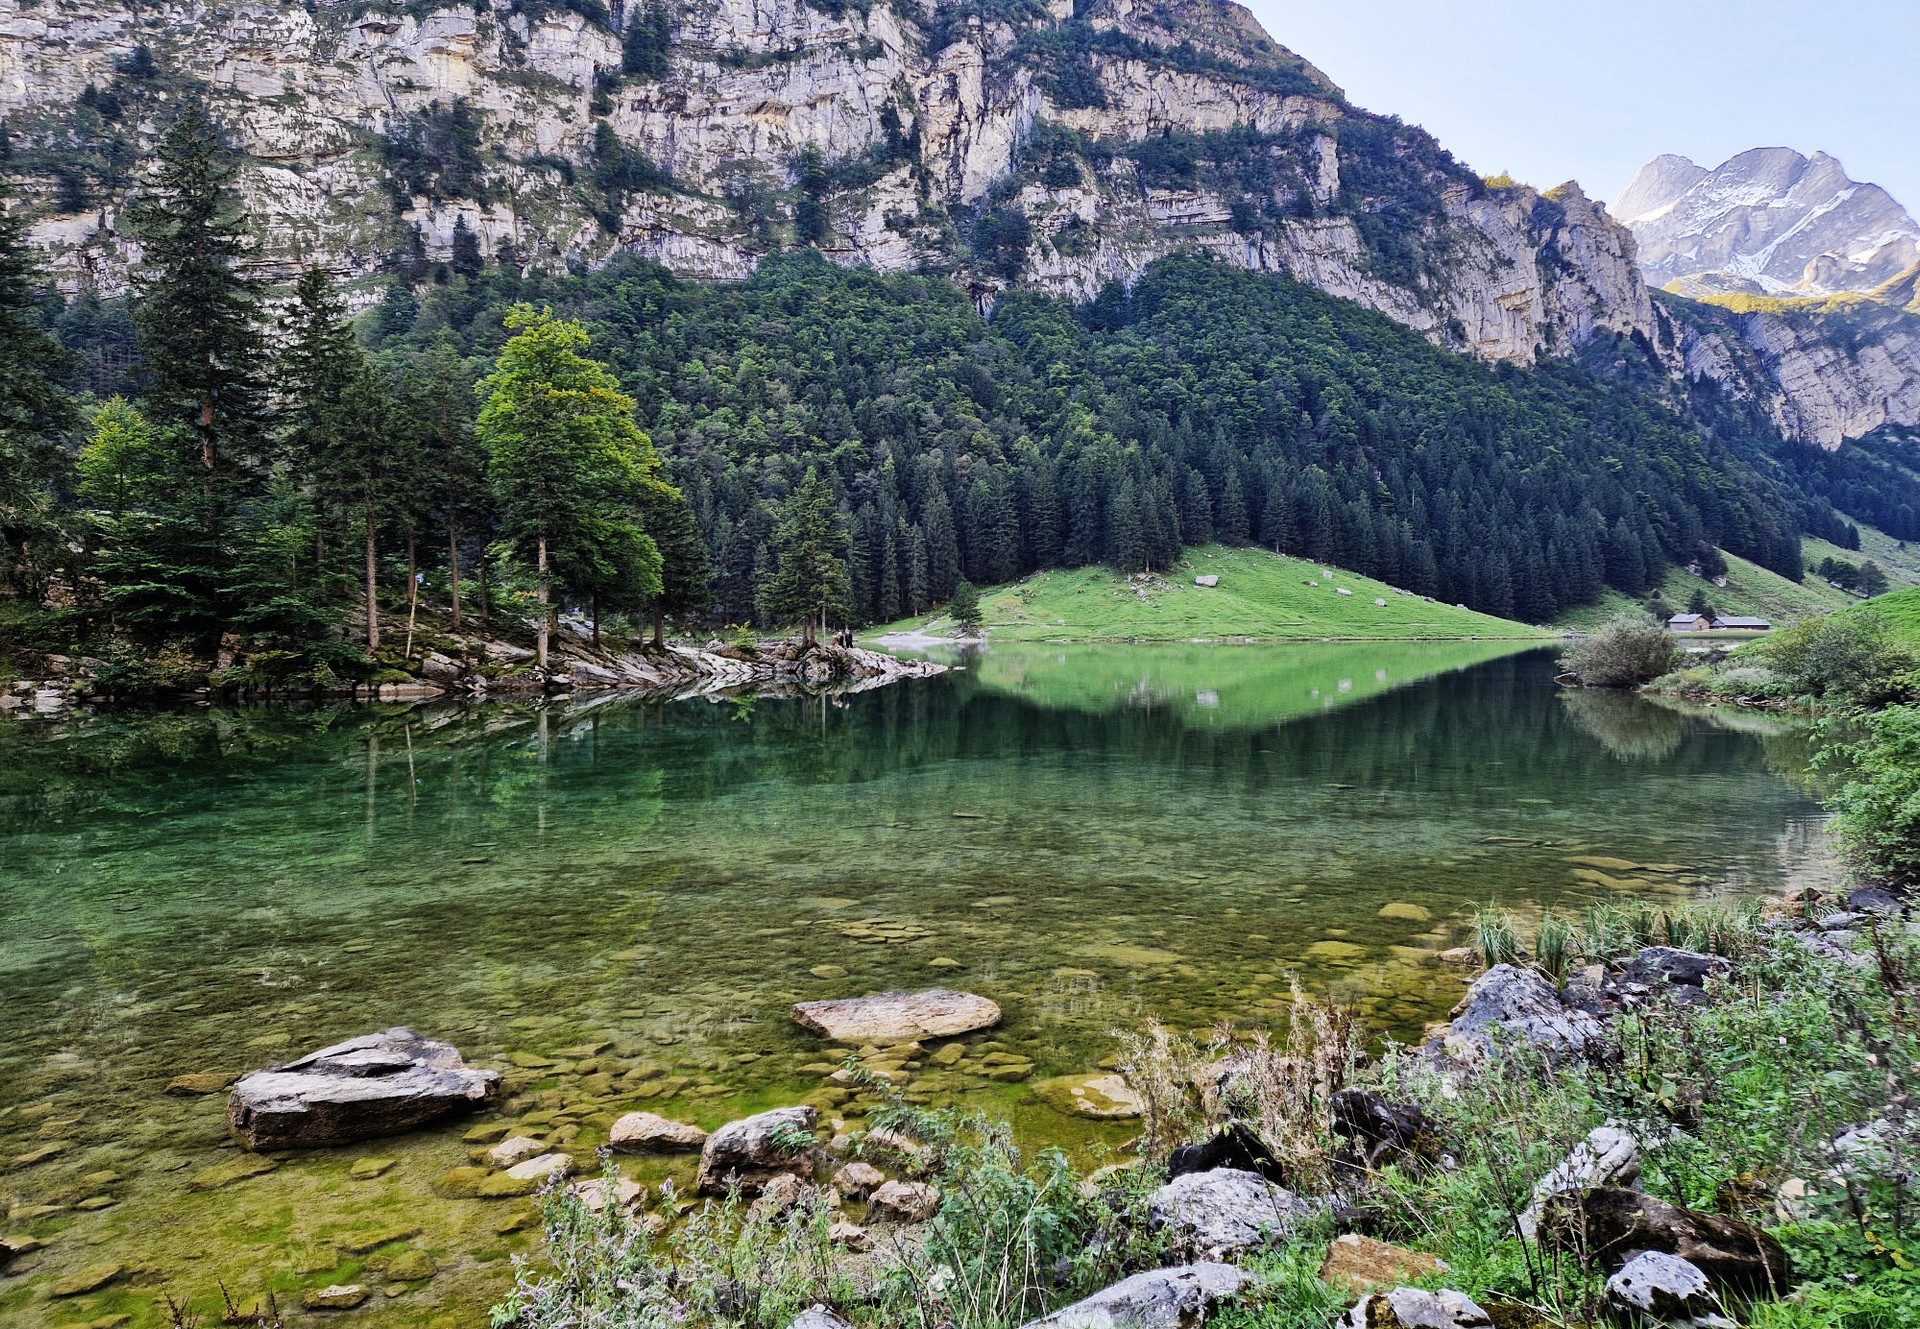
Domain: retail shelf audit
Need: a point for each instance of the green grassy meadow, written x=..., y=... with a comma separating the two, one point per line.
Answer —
x=1261, y=596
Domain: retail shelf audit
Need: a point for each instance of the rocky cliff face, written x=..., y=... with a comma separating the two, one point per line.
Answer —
x=1030, y=143
x=1767, y=222
x=1007, y=141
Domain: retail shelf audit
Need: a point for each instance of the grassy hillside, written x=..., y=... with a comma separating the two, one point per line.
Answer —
x=1750, y=590
x=1902, y=566
x=1261, y=595
x=1902, y=610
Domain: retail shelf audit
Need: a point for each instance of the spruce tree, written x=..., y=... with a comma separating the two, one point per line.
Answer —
x=196, y=311
x=438, y=405
x=35, y=412
x=684, y=565
x=964, y=608
x=809, y=582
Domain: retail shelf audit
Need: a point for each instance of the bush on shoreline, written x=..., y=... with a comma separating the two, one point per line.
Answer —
x=1625, y=653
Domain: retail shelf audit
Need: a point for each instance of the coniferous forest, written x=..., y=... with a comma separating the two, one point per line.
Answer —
x=219, y=468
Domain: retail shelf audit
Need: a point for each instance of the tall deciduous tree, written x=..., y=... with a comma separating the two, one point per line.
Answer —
x=809, y=582
x=196, y=310
x=566, y=458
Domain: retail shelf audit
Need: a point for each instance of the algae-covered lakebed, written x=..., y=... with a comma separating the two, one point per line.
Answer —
x=616, y=900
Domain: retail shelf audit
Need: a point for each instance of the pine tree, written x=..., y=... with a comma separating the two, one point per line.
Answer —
x=34, y=411
x=943, y=548
x=196, y=312
x=684, y=569
x=317, y=361
x=437, y=401
x=964, y=608
x=809, y=583
x=1232, y=526
x=566, y=458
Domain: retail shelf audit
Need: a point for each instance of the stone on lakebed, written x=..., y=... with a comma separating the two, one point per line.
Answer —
x=898, y=1017
x=1104, y=1097
x=367, y=1087
x=646, y=1133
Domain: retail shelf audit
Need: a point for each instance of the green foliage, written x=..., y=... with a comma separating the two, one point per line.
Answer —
x=1844, y=659
x=436, y=152
x=646, y=49
x=1625, y=653
x=1877, y=812
x=964, y=608
x=809, y=584
x=1496, y=937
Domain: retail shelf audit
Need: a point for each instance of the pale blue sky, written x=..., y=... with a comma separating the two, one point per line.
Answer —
x=1593, y=91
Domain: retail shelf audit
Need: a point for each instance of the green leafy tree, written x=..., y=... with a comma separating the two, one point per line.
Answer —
x=1878, y=811
x=199, y=335
x=964, y=608
x=809, y=583
x=1873, y=581
x=1624, y=653
x=684, y=566
x=564, y=453
x=436, y=401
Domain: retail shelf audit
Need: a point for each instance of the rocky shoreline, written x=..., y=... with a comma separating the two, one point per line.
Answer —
x=478, y=667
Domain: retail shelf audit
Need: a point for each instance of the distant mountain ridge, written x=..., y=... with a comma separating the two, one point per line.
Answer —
x=1767, y=222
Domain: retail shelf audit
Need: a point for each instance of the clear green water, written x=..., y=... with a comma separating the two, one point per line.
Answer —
x=1146, y=831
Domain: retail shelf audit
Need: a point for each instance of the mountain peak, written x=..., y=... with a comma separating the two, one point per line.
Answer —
x=1768, y=221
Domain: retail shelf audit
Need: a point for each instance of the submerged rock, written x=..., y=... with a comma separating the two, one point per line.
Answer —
x=898, y=1017
x=90, y=1279
x=1510, y=1004
x=645, y=1133
x=1665, y=1288
x=338, y=1297
x=367, y=1087
x=1158, y=1299
x=1224, y=1212
x=1104, y=1097
x=1614, y=1224
x=751, y=1152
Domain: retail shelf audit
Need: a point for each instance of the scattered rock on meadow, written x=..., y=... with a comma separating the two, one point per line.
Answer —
x=1666, y=1289
x=1607, y=1157
x=1224, y=1212
x=1654, y=966
x=1157, y=1299
x=898, y=1017
x=367, y=1087
x=1361, y=1264
x=752, y=1151
x=1508, y=1003
x=1104, y=1097
x=1375, y=1132
x=843, y=1232
x=903, y=1202
x=411, y=1267
x=1416, y=1308
x=1613, y=1223
x=646, y=1133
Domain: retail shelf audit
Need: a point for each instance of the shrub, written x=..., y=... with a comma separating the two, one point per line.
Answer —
x=1851, y=658
x=1625, y=653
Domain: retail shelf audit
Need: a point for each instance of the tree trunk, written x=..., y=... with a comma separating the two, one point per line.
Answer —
x=545, y=591
x=453, y=570
x=658, y=641
x=413, y=593
x=209, y=457
x=486, y=599
x=596, y=618
x=373, y=603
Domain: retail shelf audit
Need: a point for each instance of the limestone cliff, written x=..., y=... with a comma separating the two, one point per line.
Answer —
x=1001, y=140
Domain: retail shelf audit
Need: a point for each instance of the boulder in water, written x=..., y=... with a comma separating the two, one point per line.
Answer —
x=751, y=1152
x=367, y=1087
x=898, y=1017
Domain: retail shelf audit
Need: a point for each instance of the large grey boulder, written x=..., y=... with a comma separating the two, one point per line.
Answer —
x=1416, y=1308
x=648, y=1133
x=1157, y=1299
x=1607, y=1157
x=898, y=1017
x=1665, y=1288
x=1508, y=1005
x=367, y=1087
x=1221, y=1213
x=1656, y=966
x=751, y=1152
x=818, y=1317
x=1615, y=1224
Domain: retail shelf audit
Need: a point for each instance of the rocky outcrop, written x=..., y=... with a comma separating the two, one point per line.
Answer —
x=897, y=1017
x=1219, y=1214
x=1157, y=1299
x=1510, y=1006
x=1374, y=1132
x=367, y=1087
x=1607, y=1157
x=1665, y=1289
x=1360, y=1264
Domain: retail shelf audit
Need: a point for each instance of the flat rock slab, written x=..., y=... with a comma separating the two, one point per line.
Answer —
x=646, y=1133
x=1104, y=1097
x=1417, y=1308
x=1361, y=1264
x=898, y=1017
x=1156, y=1299
x=367, y=1087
